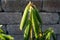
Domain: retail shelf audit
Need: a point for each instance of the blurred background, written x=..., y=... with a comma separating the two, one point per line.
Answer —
x=11, y=12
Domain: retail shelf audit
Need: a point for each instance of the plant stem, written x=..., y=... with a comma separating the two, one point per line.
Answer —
x=41, y=28
x=31, y=37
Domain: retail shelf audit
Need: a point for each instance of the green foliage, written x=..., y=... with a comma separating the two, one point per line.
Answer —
x=32, y=20
x=4, y=36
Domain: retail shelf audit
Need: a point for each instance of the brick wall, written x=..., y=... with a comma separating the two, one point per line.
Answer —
x=11, y=13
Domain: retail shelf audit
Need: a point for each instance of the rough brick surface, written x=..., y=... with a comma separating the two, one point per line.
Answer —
x=0, y=8
x=13, y=5
x=58, y=37
x=51, y=5
x=49, y=18
x=55, y=27
x=14, y=29
x=18, y=37
x=0, y=5
x=59, y=18
x=38, y=4
x=10, y=17
x=15, y=18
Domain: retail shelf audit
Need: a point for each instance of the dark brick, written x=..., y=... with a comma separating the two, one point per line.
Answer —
x=10, y=17
x=49, y=18
x=14, y=29
x=18, y=37
x=13, y=5
x=58, y=36
x=0, y=5
x=55, y=27
x=51, y=5
x=15, y=17
x=38, y=4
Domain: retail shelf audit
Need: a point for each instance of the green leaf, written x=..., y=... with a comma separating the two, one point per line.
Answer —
x=25, y=16
x=2, y=38
x=53, y=35
x=48, y=36
x=27, y=31
x=7, y=37
x=38, y=15
x=35, y=25
x=1, y=31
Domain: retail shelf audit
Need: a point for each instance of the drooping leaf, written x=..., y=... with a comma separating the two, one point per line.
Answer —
x=27, y=31
x=25, y=16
